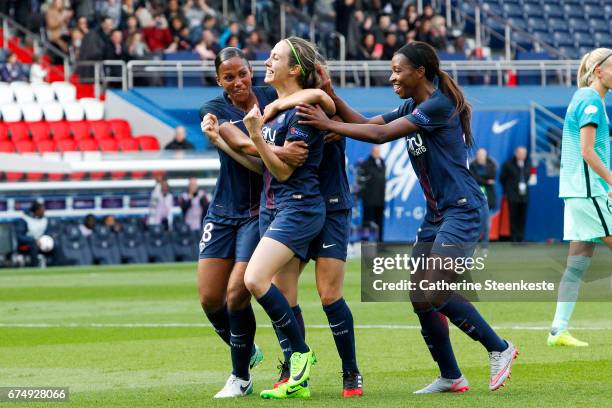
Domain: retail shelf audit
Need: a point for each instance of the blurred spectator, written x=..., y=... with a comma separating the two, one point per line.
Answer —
x=232, y=30
x=12, y=70
x=76, y=40
x=56, y=20
x=438, y=33
x=160, y=205
x=424, y=31
x=84, y=8
x=127, y=10
x=88, y=225
x=233, y=41
x=250, y=24
x=384, y=25
x=111, y=223
x=144, y=15
x=370, y=49
x=255, y=45
x=390, y=46
x=118, y=50
x=514, y=178
x=208, y=24
x=82, y=25
x=372, y=184
x=136, y=47
x=484, y=169
x=180, y=141
x=35, y=227
x=131, y=26
x=180, y=36
x=112, y=9
x=38, y=73
x=194, y=204
x=207, y=48
x=194, y=11
x=157, y=35
x=174, y=11
x=96, y=42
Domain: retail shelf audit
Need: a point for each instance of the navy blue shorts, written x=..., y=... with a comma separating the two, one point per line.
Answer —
x=296, y=227
x=229, y=238
x=266, y=215
x=333, y=239
x=454, y=236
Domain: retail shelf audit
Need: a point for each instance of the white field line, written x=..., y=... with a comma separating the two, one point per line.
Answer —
x=310, y=326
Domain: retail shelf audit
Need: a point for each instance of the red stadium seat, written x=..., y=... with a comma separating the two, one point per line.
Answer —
x=18, y=131
x=109, y=145
x=39, y=131
x=148, y=142
x=121, y=128
x=3, y=132
x=79, y=130
x=100, y=129
x=7, y=146
x=49, y=146
x=27, y=146
x=128, y=145
x=59, y=130
x=66, y=145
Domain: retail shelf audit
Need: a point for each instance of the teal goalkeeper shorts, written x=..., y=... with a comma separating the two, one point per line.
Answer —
x=587, y=219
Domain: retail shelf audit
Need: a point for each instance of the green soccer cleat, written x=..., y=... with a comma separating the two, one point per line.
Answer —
x=284, y=392
x=564, y=338
x=257, y=357
x=301, y=363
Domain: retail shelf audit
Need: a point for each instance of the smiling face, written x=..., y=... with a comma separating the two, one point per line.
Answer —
x=235, y=77
x=404, y=77
x=277, y=66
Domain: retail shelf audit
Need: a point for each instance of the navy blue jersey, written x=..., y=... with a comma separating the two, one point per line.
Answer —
x=302, y=188
x=238, y=189
x=332, y=177
x=438, y=154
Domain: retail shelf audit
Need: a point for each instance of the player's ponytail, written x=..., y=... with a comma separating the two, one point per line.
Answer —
x=588, y=63
x=305, y=54
x=421, y=54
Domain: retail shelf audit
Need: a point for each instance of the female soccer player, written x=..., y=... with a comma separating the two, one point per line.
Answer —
x=299, y=212
x=231, y=225
x=584, y=183
x=435, y=121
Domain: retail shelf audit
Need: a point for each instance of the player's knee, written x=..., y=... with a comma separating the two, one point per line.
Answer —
x=210, y=304
x=254, y=285
x=329, y=295
x=238, y=297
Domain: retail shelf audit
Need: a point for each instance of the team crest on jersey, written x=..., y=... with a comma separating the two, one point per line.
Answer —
x=415, y=144
x=420, y=115
x=590, y=109
x=297, y=132
x=280, y=118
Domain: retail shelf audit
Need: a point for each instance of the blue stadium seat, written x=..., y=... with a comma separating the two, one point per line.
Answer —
x=75, y=248
x=600, y=26
x=131, y=244
x=562, y=39
x=185, y=247
x=104, y=246
x=531, y=9
x=584, y=40
x=594, y=12
x=536, y=24
x=557, y=24
x=523, y=41
x=553, y=11
x=512, y=10
x=571, y=11
x=603, y=39
x=579, y=25
x=518, y=23
x=571, y=52
x=535, y=2
x=157, y=242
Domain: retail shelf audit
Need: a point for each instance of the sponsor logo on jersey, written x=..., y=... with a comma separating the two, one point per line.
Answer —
x=420, y=115
x=415, y=144
x=298, y=132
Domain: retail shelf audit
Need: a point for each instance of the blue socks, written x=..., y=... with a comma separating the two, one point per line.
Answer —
x=242, y=334
x=434, y=328
x=276, y=306
x=568, y=291
x=220, y=322
x=283, y=341
x=341, y=324
x=465, y=316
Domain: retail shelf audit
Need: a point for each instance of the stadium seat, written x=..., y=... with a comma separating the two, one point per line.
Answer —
x=53, y=111
x=579, y=24
x=74, y=246
x=584, y=39
x=46, y=146
x=132, y=245
x=59, y=130
x=48, y=150
x=603, y=40
x=512, y=10
x=148, y=142
x=39, y=131
x=32, y=112
x=28, y=147
x=128, y=145
x=79, y=130
x=73, y=111
x=88, y=145
x=100, y=129
x=157, y=242
x=64, y=91
x=43, y=93
x=109, y=145
x=553, y=11
x=3, y=132
x=6, y=93
x=8, y=147
x=66, y=145
x=18, y=131
x=23, y=92
x=11, y=112
x=94, y=109
x=600, y=26
x=518, y=23
x=563, y=40
x=120, y=128
x=104, y=248
x=184, y=246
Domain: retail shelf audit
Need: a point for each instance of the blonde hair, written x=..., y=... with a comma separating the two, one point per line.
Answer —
x=588, y=63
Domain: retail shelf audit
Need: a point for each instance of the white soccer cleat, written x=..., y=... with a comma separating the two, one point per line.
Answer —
x=235, y=387
x=441, y=384
x=501, y=365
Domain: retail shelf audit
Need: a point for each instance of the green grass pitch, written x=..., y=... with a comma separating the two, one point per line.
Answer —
x=135, y=336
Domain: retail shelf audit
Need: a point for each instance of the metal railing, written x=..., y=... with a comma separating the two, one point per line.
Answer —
x=546, y=130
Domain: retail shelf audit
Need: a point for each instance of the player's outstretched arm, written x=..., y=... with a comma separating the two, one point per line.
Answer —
x=366, y=132
x=587, y=145
x=210, y=126
x=310, y=96
x=279, y=169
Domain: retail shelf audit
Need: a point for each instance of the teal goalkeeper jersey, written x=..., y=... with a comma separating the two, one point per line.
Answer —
x=577, y=179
